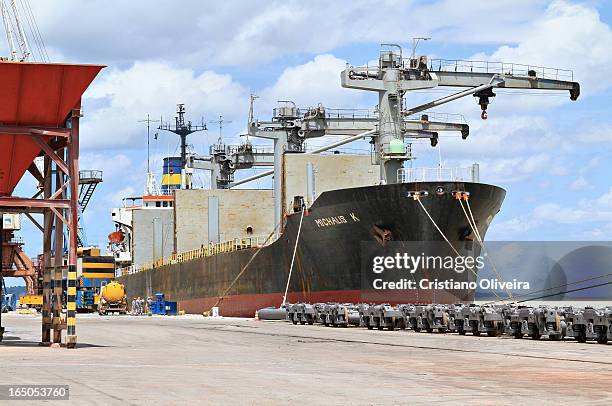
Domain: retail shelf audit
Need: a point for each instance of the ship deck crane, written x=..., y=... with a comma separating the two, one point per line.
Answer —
x=393, y=78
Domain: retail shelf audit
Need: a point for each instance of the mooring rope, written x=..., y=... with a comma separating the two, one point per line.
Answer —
x=437, y=228
x=474, y=228
x=297, y=239
x=417, y=198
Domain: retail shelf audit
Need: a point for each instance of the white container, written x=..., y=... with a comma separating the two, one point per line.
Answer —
x=11, y=221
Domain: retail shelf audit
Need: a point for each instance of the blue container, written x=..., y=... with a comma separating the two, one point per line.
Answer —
x=164, y=307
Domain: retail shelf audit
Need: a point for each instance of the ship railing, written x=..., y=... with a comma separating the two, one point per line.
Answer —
x=460, y=65
x=504, y=68
x=351, y=113
x=90, y=176
x=211, y=249
x=255, y=149
x=439, y=116
x=458, y=174
x=166, y=192
x=312, y=112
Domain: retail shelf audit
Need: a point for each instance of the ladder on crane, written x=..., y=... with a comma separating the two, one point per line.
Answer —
x=88, y=181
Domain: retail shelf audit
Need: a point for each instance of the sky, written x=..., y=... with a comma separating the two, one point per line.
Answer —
x=551, y=155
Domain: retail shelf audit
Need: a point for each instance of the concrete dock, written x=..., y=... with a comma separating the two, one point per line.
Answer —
x=197, y=360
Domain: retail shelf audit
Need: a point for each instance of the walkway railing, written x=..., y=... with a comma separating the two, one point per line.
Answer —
x=458, y=65
x=465, y=174
x=224, y=247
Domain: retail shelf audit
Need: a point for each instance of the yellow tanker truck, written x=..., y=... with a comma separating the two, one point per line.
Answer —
x=112, y=299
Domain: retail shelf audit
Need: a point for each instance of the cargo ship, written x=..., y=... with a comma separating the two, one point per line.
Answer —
x=310, y=237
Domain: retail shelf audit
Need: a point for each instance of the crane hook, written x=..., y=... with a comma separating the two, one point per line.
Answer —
x=483, y=115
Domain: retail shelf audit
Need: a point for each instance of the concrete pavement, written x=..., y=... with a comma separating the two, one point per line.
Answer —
x=197, y=360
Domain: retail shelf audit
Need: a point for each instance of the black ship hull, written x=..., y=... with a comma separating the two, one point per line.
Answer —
x=337, y=228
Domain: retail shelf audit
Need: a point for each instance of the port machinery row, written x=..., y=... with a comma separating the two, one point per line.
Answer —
x=557, y=323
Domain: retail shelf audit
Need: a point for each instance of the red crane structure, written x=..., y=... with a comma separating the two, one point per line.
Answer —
x=39, y=117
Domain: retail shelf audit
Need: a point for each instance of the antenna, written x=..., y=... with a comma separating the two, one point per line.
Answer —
x=252, y=98
x=415, y=43
x=151, y=186
x=149, y=121
x=220, y=121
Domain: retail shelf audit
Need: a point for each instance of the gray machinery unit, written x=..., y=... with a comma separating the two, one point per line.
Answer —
x=605, y=324
x=301, y=313
x=335, y=314
x=485, y=319
x=556, y=323
x=586, y=324
x=383, y=316
x=438, y=317
x=537, y=322
x=417, y=318
x=455, y=319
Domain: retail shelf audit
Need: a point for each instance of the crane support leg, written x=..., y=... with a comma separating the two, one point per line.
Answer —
x=73, y=163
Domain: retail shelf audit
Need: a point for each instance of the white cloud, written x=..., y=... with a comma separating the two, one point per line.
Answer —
x=115, y=199
x=126, y=96
x=244, y=32
x=580, y=183
x=587, y=219
x=597, y=234
x=598, y=209
x=514, y=169
x=316, y=81
x=603, y=202
x=599, y=133
x=569, y=36
x=112, y=166
x=517, y=226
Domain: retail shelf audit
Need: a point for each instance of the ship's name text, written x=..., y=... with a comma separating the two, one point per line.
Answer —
x=336, y=220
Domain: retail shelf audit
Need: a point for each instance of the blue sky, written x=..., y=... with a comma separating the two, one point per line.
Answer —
x=551, y=155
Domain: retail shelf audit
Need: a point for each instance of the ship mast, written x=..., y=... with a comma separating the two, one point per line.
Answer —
x=220, y=122
x=182, y=129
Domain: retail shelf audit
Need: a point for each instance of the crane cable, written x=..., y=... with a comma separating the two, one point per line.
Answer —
x=459, y=196
x=418, y=199
x=297, y=239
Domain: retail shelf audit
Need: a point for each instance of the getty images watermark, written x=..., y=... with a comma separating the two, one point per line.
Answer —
x=434, y=272
x=535, y=270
